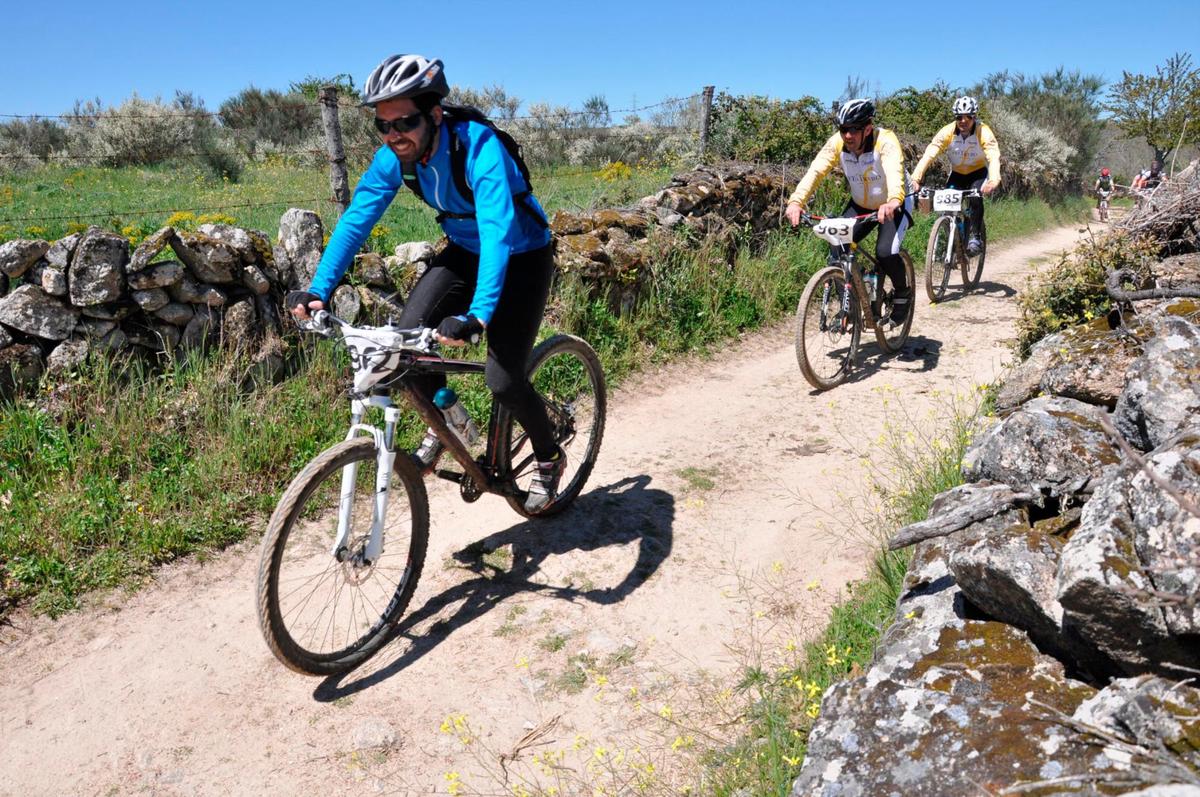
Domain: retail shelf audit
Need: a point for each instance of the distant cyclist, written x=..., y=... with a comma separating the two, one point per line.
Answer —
x=1103, y=190
x=873, y=163
x=1149, y=179
x=974, y=161
x=495, y=273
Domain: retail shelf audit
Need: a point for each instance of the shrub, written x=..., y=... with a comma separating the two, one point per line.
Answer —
x=1072, y=291
x=256, y=117
x=1034, y=160
x=137, y=132
x=24, y=142
x=760, y=128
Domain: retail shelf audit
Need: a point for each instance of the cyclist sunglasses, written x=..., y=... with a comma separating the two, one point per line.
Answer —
x=401, y=125
x=962, y=116
x=852, y=129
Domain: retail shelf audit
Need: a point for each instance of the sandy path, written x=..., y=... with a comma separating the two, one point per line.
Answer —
x=653, y=581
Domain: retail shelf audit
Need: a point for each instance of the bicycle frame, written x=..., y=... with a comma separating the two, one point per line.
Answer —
x=960, y=214
x=477, y=476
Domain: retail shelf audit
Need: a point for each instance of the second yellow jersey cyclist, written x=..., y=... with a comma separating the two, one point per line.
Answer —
x=873, y=163
x=974, y=161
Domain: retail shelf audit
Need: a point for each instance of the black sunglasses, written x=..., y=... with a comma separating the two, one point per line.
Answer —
x=853, y=129
x=962, y=116
x=401, y=125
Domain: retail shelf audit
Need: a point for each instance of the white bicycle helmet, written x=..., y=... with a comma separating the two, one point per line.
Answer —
x=966, y=105
x=405, y=76
x=857, y=112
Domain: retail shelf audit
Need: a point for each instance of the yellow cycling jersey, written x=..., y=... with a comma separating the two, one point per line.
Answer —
x=874, y=177
x=967, y=153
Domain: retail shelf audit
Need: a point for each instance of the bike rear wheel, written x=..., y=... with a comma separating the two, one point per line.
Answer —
x=566, y=373
x=323, y=613
x=939, y=259
x=893, y=337
x=826, y=337
x=972, y=267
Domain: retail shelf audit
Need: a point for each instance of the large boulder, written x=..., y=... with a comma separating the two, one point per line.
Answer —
x=1051, y=445
x=1162, y=396
x=97, y=271
x=159, y=275
x=209, y=259
x=301, y=240
x=60, y=252
x=1135, y=545
x=18, y=255
x=1087, y=362
x=32, y=311
x=944, y=709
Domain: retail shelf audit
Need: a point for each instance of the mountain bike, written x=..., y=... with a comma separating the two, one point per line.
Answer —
x=947, y=247
x=345, y=546
x=840, y=300
x=1102, y=197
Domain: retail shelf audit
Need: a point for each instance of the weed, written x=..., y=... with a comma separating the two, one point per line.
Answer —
x=699, y=478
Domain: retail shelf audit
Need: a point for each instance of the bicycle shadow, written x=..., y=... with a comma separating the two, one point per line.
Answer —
x=616, y=514
x=994, y=290
x=923, y=351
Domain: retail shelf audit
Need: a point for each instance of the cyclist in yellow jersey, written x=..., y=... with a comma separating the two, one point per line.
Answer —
x=974, y=161
x=873, y=163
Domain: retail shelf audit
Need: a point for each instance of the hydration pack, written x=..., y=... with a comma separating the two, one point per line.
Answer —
x=451, y=116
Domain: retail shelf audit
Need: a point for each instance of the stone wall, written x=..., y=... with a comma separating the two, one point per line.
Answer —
x=95, y=292
x=1050, y=619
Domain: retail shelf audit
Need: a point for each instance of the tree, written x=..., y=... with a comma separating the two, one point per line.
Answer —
x=1158, y=107
x=492, y=100
x=1064, y=103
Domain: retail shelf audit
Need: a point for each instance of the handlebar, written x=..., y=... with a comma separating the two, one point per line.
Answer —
x=419, y=340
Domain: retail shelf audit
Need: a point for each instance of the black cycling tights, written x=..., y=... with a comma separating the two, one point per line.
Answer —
x=447, y=288
x=961, y=182
x=887, y=243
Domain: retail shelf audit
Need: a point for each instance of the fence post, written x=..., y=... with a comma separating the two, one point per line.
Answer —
x=339, y=183
x=706, y=114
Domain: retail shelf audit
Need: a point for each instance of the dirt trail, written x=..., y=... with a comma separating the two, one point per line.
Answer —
x=716, y=481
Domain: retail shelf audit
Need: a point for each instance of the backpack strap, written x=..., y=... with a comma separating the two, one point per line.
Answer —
x=458, y=171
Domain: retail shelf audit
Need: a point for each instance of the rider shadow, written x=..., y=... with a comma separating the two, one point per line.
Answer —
x=923, y=351
x=617, y=514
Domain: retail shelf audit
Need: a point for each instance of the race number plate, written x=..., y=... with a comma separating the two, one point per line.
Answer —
x=947, y=201
x=836, y=231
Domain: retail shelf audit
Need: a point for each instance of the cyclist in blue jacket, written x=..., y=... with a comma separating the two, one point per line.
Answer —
x=495, y=273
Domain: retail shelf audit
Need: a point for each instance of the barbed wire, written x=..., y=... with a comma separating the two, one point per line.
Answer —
x=553, y=115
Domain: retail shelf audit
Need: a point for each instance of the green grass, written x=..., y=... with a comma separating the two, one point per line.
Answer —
x=54, y=200
x=115, y=473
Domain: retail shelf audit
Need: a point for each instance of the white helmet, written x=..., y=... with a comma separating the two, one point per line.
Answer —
x=966, y=105
x=405, y=76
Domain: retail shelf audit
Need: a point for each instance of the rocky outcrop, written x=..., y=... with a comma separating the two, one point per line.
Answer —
x=1049, y=628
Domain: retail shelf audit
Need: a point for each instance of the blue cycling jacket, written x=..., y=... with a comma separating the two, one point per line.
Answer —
x=498, y=230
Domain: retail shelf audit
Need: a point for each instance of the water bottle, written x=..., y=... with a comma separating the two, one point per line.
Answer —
x=447, y=401
x=872, y=284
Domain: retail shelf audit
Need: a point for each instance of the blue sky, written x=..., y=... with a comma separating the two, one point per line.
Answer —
x=632, y=53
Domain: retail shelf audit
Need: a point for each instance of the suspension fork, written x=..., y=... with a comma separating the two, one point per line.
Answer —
x=385, y=459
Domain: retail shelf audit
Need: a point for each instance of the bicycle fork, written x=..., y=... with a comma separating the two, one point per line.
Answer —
x=385, y=458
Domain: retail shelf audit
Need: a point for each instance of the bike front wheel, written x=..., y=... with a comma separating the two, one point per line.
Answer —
x=972, y=267
x=892, y=338
x=826, y=334
x=324, y=611
x=939, y=258
x=566, y=373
